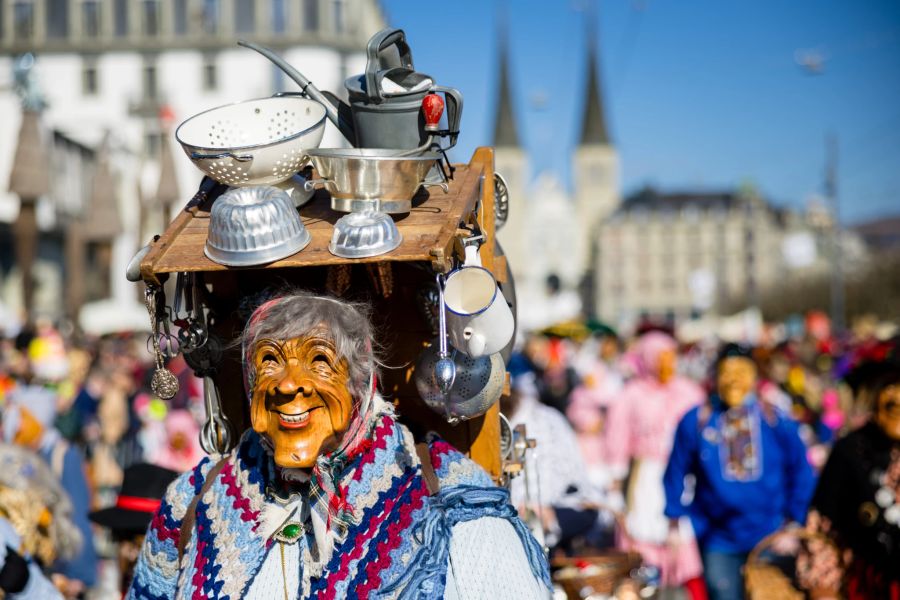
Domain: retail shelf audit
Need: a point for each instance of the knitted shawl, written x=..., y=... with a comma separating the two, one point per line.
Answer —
x=396, y=544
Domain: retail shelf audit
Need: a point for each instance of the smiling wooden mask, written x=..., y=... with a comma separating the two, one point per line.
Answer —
x=300, y=398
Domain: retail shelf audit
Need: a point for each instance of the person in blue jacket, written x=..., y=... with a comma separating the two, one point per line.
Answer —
x=750, y=468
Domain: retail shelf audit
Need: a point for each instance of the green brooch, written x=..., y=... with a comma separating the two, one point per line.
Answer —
x=289, y=533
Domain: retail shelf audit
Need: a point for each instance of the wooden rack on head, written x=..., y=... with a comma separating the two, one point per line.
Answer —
x=432, y=239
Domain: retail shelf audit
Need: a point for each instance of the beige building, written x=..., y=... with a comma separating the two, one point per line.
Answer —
x=676, y=256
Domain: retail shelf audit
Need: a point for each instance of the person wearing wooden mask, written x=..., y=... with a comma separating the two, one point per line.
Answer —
x=749, y=464
x=36, y=527
x=857, y=500
x=641, y=426
x=28, y=421
x=326, y=494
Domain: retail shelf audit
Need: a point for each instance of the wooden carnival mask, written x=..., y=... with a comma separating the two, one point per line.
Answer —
x=736, y=379
x=666, y=366
x=301, y=400
x=887, y=411
x=30, y=430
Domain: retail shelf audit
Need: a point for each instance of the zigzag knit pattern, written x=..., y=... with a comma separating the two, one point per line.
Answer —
x=388, y=499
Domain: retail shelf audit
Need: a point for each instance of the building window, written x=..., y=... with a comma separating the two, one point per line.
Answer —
x=210, y=74
x=153, y=144
x=89, y=85
x=23, y=19
x=97, y=273
x=151, y=17
x=338, y=14
x=150, y=89
x=211, y=16
x=181, y=17
x=279, y=16
x=245, y=16
x=90, y=18
x=310, y=15
x=57, y=18
x=121, y=17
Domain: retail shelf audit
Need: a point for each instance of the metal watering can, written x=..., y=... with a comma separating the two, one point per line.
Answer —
x=386, y=102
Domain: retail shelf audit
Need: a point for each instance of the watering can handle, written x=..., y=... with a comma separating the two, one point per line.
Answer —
x=378, y=43
x=454, y=103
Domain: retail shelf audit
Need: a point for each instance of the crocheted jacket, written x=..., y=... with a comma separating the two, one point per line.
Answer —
x=395, y=546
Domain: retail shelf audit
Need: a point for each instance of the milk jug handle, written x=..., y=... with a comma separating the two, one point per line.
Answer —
x=473, y=255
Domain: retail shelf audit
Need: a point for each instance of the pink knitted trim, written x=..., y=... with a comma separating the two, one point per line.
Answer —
x=199, y=563
x=383, y=558
x=158, y=524
x=374, y=524
x=232, y=489
x=439, y=447
x=379, y=442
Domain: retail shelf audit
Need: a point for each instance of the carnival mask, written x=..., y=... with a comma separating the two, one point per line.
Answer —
x=736, y=379
x=30, y=430
x=300, y=400
x=666, y=365
x=887, y=411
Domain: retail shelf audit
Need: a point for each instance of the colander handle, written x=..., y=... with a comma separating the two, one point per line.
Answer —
x=441, y=184
x=237, y=157
x=310, y=184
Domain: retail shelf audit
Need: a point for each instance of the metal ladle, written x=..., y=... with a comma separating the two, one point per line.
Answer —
x=444, y=368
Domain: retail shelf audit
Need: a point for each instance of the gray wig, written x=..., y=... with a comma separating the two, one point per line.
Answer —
x=298, y=314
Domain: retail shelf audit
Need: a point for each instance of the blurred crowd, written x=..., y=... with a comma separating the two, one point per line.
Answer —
x=724, y=465
x=693, y=456
x=86, y=411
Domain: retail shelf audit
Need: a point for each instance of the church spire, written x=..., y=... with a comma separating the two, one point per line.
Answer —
x=593, y=126
x=505, y=133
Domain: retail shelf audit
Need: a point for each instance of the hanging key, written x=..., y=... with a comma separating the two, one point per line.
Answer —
x=163, y=383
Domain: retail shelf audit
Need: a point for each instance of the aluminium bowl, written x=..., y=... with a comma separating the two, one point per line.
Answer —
x=254, y=226
x=362, y=234
x=370, y=178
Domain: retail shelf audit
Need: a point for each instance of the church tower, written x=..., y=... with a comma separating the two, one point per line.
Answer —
x=510, y=161
x=595, y=166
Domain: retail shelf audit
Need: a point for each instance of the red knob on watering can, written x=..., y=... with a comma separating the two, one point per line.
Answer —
x=433, y=107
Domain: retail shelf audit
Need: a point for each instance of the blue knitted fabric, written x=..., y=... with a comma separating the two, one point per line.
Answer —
x=396, y=545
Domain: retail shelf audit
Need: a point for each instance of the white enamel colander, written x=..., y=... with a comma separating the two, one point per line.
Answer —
x=255, y=142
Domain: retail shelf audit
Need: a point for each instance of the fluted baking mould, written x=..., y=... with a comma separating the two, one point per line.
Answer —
x=365, y=233
x=253, y=226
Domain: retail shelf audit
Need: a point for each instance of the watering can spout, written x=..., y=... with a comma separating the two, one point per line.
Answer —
x=336, y=110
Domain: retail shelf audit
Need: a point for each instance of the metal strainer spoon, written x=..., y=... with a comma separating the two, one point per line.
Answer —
x=444, y=368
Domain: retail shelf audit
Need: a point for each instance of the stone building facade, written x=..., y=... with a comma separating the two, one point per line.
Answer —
x=132, y=70
x=680, y=255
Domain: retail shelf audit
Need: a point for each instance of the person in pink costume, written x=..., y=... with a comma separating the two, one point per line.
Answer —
x=589, y=406
x=639, y=437
x=181, y=450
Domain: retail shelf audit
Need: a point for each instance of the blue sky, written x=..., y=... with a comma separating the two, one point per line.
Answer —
x=698, y=93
